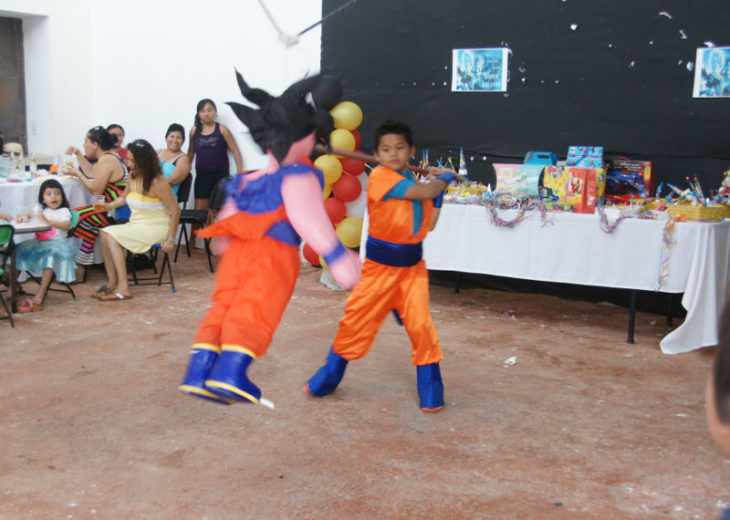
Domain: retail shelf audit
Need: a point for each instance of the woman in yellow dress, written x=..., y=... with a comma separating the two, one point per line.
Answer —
x=154, y=220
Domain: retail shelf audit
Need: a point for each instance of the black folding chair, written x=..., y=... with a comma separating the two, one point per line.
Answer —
x=201, y=218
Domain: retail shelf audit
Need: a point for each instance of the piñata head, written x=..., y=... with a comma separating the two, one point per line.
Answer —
x=281, y=121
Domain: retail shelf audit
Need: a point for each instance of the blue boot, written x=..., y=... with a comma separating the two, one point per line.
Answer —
x=202, y=359
x=430, y=387
x=326, y=379
x=228, y=379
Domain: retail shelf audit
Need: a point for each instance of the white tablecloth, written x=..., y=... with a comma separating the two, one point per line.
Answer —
x=15, y=196
x=573, y=249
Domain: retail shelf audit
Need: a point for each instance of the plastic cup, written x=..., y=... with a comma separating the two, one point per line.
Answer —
x=99, y=203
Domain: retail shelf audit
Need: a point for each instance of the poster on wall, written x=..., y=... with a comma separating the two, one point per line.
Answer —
x=479, y=70
x=712, y=72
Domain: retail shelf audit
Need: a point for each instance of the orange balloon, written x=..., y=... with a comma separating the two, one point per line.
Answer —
x=348, y=188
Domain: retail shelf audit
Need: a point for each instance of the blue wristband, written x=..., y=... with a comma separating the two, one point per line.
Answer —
x=447, y=177
x=438, y=200
x=336, y=253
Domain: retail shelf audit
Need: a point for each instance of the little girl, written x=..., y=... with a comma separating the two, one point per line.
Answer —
x=50, y=252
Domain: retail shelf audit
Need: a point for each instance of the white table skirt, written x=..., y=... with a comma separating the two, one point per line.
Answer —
x=574, y=249
x=24, y=195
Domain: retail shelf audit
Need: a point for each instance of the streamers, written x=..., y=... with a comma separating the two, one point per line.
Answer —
x=668, y=241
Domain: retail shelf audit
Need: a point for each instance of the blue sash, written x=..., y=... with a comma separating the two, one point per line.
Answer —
x=392, y=254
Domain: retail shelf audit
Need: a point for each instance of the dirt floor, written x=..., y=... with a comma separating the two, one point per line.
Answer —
x=581, y=426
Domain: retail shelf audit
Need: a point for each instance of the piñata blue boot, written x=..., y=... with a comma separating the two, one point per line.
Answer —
x=202, y=359
x=228, y=379
x=326, y=379
x=430, y=387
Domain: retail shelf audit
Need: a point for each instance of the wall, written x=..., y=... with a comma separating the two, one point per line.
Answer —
x=146, y=64
x=616, y=73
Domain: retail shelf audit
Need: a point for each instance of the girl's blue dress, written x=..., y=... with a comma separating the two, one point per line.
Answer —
x=55, y=253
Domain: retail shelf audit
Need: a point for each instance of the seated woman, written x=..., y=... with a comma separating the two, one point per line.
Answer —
x=174, y=162
x=108, y=176
x=155, y=217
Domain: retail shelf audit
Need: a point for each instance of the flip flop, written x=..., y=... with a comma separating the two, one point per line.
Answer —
x=101, y=291
x=27, y=305
x=113, y=295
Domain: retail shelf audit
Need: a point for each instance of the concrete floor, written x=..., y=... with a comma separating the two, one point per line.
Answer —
x=582, y=426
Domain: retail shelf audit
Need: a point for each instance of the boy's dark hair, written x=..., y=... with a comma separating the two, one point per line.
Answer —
x=176, y=127
x=146, y=162
x=392, y=126
x=721, y=369
x=52, y=183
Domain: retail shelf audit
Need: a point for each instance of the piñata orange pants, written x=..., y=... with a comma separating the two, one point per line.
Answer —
x=254, y=283
x=382, y=289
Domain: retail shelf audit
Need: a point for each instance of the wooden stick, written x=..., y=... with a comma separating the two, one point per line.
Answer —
x=360, y=156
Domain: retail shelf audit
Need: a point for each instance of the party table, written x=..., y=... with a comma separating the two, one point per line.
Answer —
x=572, y=248
x=21, y=195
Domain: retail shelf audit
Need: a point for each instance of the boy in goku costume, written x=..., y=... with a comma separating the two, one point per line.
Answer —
x=259, y=229
x=394, y=277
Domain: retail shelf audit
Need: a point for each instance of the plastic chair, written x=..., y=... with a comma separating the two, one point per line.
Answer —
x=6, y=248
x=201, y=218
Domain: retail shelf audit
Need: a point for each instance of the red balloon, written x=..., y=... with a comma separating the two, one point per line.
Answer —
x=352, y=166
x=310, y=255
x=335, y=209
x=347, y=189
x=358, y=138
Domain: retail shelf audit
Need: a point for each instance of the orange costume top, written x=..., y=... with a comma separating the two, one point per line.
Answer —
x=394, y=276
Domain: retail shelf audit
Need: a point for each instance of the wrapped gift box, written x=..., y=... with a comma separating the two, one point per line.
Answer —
x=585, y=156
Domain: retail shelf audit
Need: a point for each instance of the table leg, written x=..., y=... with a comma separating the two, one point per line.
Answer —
x=632, y=315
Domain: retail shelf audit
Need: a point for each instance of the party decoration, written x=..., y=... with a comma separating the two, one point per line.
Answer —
x=330, y=166
x=352, y=166
x=343, y=139
x=310, y=255
x=358, y=137
x=336, y=209
x=347, y=115
x=349, y=231
x=326, y=191
x=327, y=93
x=462, y=164
x=347, y=189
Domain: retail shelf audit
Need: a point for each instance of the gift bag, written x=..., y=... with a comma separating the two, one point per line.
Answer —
x=583, y=188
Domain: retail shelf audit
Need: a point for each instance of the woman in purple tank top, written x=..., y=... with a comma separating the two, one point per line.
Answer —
x=209, y=145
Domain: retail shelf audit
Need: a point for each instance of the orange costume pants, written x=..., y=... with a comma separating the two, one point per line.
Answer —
x=254, y=283
x=382, y=289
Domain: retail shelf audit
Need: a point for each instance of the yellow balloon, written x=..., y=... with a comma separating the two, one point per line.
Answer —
x=330, y=166
x=349, y=231
x=342, y=139
x=347, y=115
x=327, y=191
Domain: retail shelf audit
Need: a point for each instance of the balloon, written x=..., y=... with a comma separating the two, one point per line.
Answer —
x=349, y=231
x=327, y=93
x=330, y=166
x=326, y=191
x=347, y=115
x=358, y=138
x=310, y=255
x=342, y=139
x=335, y=209
x=347, y=189
x=357, y=207
x=352, y=166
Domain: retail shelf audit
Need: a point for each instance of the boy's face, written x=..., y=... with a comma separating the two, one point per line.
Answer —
x=394, y=152
x=720, y=432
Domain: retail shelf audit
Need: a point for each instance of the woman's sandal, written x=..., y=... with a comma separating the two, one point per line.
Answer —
x=101, y=291
x=114, y=295
x=27, y=305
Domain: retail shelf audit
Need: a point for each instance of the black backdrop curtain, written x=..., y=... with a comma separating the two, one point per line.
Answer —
x=617, y=74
